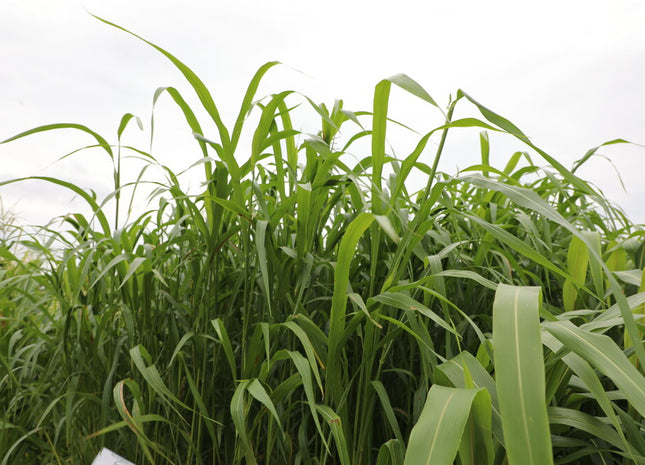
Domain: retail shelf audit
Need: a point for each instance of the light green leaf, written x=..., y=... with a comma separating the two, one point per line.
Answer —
x=346, y=252
x=256, y=389
x=238, y=414
x=604, y=355
x=435, y=438
x=405, y=302
x=519, y=374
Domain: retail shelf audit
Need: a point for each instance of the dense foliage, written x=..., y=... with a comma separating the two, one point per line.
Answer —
x=302, y=309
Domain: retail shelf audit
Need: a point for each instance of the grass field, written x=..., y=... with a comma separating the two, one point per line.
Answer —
x=305, y=307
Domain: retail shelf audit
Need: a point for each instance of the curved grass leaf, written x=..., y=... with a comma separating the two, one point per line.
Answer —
x=476, y=447
x=91, y=201
x=304, y=370
x=590, y=424
x=453, y=371
x=435, y=438
x=387, y=408
x=391, y=453
x=334, y=422
x=238, y=414
x=256, y=389
x=247, y=102
x=220, y=329
x=405, y=302
x=591, y=381
x=531, y=200
x=102, y=142
x=604, y=355
x=200, y=88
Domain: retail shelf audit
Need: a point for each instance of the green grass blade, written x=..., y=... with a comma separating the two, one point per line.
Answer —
x=260, y=239
x=577, y=263
x=132, y=268
x=530, y=199
x=453, y=372
x=334, y=422
x=220, y=329
x=200, y=88
x=247, y=102
x=387, y=408
x=151, y=375
x=379, y=125
x=263, y=129
x=190, y=117
x=256, y=389
x=405, y=302
x=407, y=83
x=133, y=417
x=346, y=252
x=519, y=375
x=604, y=355
x=435, y=438
x=312, y=356
x=238, y=414
x=476, y=447
x=585, y=422
x=101, y=141
x=91, y=201
x=519, y=245
x=391, y=453
x=304, y=369
x=590, y=379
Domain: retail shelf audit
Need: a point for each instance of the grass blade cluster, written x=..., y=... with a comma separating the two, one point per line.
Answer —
x=303, y=306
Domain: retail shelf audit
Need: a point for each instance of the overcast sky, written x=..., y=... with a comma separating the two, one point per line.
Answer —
x=570, y=74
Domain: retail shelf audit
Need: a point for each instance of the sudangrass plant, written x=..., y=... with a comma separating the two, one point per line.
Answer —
x=305, y=307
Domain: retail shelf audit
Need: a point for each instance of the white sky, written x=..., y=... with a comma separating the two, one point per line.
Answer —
x=570, y=74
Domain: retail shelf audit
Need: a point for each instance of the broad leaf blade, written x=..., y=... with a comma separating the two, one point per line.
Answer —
x=435, y=438
x=519, y=373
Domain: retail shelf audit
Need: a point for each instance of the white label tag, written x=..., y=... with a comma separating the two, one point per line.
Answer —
x=107, y=457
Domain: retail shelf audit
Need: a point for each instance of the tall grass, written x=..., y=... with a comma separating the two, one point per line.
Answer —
x=304, y=308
